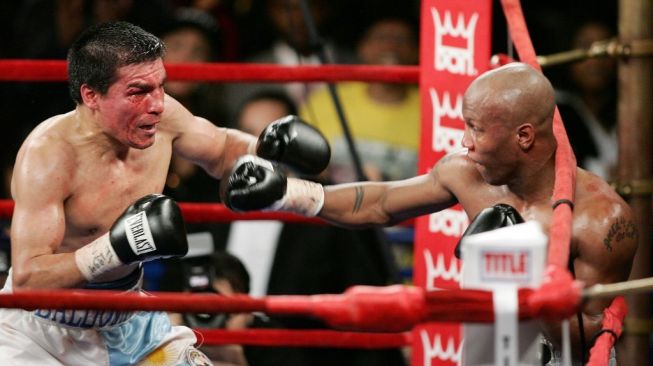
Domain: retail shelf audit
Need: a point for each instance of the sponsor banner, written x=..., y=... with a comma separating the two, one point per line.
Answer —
x=455, y=48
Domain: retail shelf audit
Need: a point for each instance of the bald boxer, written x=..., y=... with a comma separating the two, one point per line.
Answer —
x=87, y=209
x=509, y=158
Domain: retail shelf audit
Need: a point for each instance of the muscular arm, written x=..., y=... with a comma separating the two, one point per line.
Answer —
x=386, y=203
x=39, y=188
x=211, y=147
x=605, y=252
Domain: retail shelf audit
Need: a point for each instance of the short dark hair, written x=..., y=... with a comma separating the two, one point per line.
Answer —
x=199, y=20
x=231, y=268
x=275, y=95
x=103, y=48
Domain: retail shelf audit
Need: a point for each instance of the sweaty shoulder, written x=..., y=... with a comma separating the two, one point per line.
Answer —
x=602, y=215
x=175, y=115
x=47, y=156
x=597, y=198
x=455, y=169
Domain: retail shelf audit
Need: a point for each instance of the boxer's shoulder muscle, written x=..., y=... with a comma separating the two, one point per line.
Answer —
x=597, y=200
x=46, y=156
x=456, y=172
x=604, y=225
x=175, y=117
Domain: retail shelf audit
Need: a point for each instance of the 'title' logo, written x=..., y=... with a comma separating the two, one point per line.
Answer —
x=506, y=265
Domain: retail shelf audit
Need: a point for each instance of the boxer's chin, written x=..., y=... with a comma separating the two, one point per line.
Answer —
x=142, y=142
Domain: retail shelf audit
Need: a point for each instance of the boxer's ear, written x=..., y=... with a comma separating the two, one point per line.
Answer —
x=525, y=136
x=89, y=96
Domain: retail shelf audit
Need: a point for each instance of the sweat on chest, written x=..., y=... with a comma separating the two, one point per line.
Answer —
x=96, y=206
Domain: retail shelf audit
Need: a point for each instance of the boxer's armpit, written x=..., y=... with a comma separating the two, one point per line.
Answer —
x=621, y=229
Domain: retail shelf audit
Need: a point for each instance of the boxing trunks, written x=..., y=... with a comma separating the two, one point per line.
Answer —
x=95, y=337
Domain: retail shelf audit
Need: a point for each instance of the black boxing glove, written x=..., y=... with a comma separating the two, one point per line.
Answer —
x=292, y=141
x=150, y=228
x=255, y=184
x=497, y=216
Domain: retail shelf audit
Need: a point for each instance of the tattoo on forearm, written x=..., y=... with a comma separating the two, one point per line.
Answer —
x=620, y=230
x=360, y=192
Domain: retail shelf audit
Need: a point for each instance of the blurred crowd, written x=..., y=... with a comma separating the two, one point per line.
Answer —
x=384, y=119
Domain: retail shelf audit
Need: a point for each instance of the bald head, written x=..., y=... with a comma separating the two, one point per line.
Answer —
x=514, y=93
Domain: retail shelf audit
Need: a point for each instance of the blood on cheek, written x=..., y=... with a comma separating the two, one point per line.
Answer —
x=136, y=98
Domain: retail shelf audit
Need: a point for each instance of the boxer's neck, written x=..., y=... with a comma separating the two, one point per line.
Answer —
x=90, y=131
x=535, y=182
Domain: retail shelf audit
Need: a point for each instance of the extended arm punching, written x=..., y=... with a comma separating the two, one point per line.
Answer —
x=255, y=184
x=288, y=140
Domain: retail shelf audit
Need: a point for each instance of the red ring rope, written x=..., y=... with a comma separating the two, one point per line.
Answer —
x=564, y=186
x=203, y=213
x=304, y=338
x=565, y=175
x=384, y=309
x=56, y=70
x=212, y=213
x=199, y=213
x=613, y=319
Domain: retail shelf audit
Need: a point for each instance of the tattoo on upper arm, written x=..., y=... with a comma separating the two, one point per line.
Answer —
x=620, y=230
x=360, y=192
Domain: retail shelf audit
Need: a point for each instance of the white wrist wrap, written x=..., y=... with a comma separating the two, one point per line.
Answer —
x=96, y=258
x=302, y=197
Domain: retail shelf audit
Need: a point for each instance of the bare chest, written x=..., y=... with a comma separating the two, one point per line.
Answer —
x=542, y=213
x=483, y=198
x=102, y=191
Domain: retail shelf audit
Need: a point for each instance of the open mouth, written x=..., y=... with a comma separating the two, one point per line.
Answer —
x=148, y=128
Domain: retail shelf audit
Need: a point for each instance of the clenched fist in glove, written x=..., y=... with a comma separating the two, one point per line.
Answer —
x=291, y=141
x=150, y=228
x=255, y=184
x=491, y=218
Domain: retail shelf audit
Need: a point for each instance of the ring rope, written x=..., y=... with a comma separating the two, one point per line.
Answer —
x=565, y=177
x=642, y=285
x=56, y=70
x=304, y=338
x=564, y=185
x=202, y=213
x=218, y=213
x=613, y=321
x=384, y=309
x=209, y=213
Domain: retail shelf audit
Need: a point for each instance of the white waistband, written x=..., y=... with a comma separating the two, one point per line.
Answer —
x=85, y=319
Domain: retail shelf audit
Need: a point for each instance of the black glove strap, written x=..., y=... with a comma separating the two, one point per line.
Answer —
x=565, y=201
x=604, y=330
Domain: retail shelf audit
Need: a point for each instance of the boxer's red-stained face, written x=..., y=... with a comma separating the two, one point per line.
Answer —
x=134, y=104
